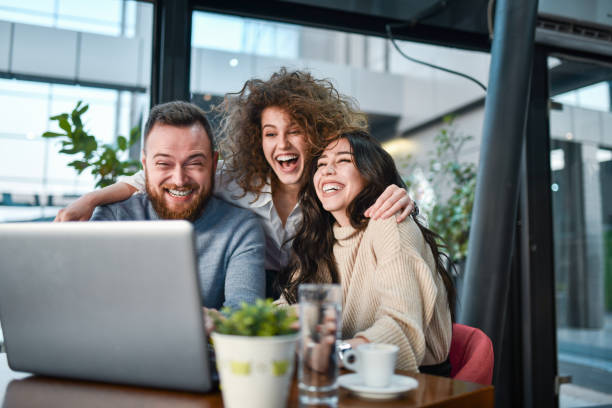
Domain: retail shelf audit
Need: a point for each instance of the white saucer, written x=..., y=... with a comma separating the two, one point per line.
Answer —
x=399, y=384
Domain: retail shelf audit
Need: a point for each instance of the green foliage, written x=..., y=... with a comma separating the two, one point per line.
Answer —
x=451, y=217
x=260, y=319
x=102, y=160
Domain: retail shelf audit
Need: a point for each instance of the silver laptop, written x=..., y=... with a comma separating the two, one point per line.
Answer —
x=105, y=301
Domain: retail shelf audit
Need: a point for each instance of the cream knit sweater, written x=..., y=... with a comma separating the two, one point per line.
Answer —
x=392, y=292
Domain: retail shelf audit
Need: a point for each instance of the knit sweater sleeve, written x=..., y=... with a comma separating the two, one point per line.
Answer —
x=406, y=288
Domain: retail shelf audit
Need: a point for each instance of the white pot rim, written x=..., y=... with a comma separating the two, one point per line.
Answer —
x=279, y=339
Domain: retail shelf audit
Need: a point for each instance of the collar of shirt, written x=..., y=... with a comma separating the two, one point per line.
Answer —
x=265, y=197
x=265, y=204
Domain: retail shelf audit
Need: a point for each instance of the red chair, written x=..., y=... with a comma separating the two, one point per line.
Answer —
x=471, y=355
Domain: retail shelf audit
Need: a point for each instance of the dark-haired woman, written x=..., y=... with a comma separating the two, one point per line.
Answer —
x=395, y=286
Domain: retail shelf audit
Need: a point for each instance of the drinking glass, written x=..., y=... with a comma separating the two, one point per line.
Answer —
x=320, y=331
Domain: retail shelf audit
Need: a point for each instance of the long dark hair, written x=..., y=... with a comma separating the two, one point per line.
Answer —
x=313, y=259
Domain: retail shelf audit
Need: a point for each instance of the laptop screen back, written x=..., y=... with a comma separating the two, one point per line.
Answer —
x=106, y=301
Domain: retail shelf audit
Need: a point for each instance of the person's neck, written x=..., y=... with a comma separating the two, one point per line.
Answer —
x=285, y=198
x=342, y=218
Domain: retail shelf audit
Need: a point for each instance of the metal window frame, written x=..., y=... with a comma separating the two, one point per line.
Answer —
x=171, y=59
x=170, y=68
x=346, y=21
x=539, y=329
x=535, y=242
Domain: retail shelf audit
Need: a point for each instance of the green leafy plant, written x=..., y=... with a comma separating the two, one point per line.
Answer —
x=454, y=184
x=103, y=160
x=260, y=319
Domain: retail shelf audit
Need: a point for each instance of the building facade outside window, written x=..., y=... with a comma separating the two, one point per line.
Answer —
x=581, y=164
x=52, y=55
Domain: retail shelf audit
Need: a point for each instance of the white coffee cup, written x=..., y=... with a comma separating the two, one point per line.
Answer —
x=375, y=363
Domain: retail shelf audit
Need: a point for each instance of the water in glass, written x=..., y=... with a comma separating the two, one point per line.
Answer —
x=320, y=331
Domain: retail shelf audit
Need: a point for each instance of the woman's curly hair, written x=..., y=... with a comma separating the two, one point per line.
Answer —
x=313, y=104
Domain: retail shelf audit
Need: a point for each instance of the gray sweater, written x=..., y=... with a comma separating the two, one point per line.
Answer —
x=229, y=245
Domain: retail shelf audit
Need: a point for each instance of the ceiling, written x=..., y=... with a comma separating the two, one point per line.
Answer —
x=463, y=15
x=453, y=23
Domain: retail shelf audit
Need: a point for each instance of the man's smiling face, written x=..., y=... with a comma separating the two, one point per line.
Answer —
x=179, y=168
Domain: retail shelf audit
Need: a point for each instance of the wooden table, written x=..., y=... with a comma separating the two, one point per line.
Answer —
x=22, y=390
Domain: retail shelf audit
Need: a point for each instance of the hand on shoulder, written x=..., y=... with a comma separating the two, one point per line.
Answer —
x=393, y=201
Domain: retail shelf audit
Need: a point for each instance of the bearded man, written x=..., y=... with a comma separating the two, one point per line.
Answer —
x=180, y=162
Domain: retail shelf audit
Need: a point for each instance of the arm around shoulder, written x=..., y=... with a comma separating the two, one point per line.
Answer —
x=136, y=181
x=83, y=208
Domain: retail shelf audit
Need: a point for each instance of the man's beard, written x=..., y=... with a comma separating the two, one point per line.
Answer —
x=190, y=213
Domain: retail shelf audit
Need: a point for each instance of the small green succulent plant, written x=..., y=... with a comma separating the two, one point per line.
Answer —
x=262, y=318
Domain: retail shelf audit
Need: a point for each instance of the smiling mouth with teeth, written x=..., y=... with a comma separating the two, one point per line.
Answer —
x=287, y=160
x=179, y=193
x=331, y=187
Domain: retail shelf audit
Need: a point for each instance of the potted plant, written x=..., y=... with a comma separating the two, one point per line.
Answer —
x=103, y=160
x=255, y=353
x=453, y=182
x=451, y=216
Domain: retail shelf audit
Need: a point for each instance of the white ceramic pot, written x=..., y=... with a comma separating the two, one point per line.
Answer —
x=255, y=372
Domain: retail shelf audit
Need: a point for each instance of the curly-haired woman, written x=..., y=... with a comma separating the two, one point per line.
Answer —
x=268, y=135
x=396, y=288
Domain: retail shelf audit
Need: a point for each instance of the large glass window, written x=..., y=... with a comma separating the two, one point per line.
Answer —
x=105, y=45
x=581, y=163
x=405, y=102
x=244, y=35
x=109, y=17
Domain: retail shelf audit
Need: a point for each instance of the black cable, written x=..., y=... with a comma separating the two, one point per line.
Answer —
x=450, y=71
